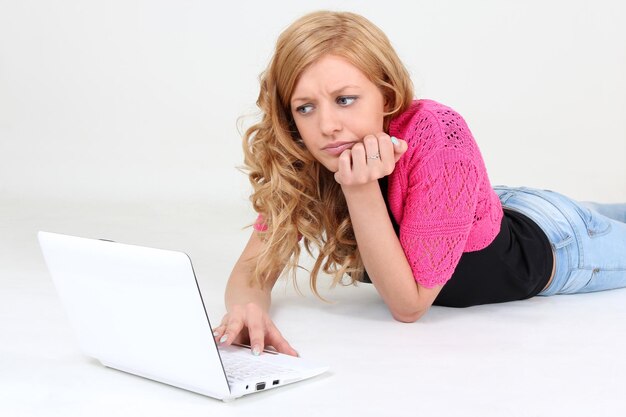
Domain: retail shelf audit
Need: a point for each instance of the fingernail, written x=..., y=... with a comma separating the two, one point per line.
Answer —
x=224, y=338
x=256, y=351
x=216, y=333
x=394, y=140
x=297, y=354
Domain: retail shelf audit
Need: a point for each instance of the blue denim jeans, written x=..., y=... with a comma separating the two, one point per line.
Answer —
x=588, y=239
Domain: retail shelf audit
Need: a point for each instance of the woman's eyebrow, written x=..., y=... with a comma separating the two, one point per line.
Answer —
x=339, y=90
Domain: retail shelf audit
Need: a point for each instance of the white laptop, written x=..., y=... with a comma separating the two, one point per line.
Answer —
x=140, y=310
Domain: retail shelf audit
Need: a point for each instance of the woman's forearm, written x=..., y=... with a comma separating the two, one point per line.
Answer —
x=239, y=291
x=381, y=252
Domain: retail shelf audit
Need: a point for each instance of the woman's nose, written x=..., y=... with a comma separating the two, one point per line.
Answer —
x=329, y=120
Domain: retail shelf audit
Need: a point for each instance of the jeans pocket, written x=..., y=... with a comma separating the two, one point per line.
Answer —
x=578, y=279
x=596, y=224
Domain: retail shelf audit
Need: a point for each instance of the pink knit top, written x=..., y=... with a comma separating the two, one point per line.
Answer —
x=439, y=192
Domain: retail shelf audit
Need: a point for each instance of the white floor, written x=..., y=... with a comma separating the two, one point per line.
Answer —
x=559, y=356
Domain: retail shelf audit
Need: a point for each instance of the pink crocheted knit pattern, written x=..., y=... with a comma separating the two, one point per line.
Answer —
x=439, y=192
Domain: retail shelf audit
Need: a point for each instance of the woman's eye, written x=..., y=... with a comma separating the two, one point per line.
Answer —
x=346, y=100
x=304, y=109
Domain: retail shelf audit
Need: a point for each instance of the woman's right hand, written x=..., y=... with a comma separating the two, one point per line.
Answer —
x=250, y=324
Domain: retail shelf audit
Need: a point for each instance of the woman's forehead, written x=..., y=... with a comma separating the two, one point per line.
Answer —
x=329, y=74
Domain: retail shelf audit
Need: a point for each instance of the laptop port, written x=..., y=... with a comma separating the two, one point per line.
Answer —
x=260, y=386
x=275, y=382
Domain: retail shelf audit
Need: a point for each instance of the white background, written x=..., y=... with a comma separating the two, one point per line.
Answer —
x=131, y=100
x=119, y=119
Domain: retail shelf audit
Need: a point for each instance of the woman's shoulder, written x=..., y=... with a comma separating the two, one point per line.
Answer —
x=429, y=126
x=424, y=112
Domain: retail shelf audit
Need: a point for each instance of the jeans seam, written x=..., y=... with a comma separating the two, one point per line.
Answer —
x=596, y=269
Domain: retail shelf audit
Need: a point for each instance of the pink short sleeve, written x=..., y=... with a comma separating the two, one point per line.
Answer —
x=438, y=217
x=259, y=224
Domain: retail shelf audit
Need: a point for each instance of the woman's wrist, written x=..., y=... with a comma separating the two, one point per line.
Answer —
x=360, y=189
x=240, y=297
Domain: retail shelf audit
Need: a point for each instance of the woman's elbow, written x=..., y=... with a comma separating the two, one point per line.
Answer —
x=408, y=317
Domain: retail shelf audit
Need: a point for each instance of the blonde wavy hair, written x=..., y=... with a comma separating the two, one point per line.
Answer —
x=297, y=197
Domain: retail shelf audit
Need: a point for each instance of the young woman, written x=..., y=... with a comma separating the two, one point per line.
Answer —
x=394, y=191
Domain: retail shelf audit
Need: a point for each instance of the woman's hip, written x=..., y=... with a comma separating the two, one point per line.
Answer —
x=589, y=248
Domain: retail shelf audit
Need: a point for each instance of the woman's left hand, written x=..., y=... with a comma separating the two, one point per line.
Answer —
x=370, y=160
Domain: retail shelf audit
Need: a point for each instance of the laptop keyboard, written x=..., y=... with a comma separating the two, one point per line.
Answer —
x=244, y=368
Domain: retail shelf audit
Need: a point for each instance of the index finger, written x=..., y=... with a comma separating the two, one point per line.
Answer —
x=256, y=331
x=233, y=328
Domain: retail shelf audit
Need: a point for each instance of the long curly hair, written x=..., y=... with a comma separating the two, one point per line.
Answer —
x=297, y=197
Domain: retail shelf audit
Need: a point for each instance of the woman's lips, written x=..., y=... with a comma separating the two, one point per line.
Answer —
x=336, y=151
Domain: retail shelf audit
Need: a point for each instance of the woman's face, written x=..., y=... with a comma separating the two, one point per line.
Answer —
x=334, y=106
